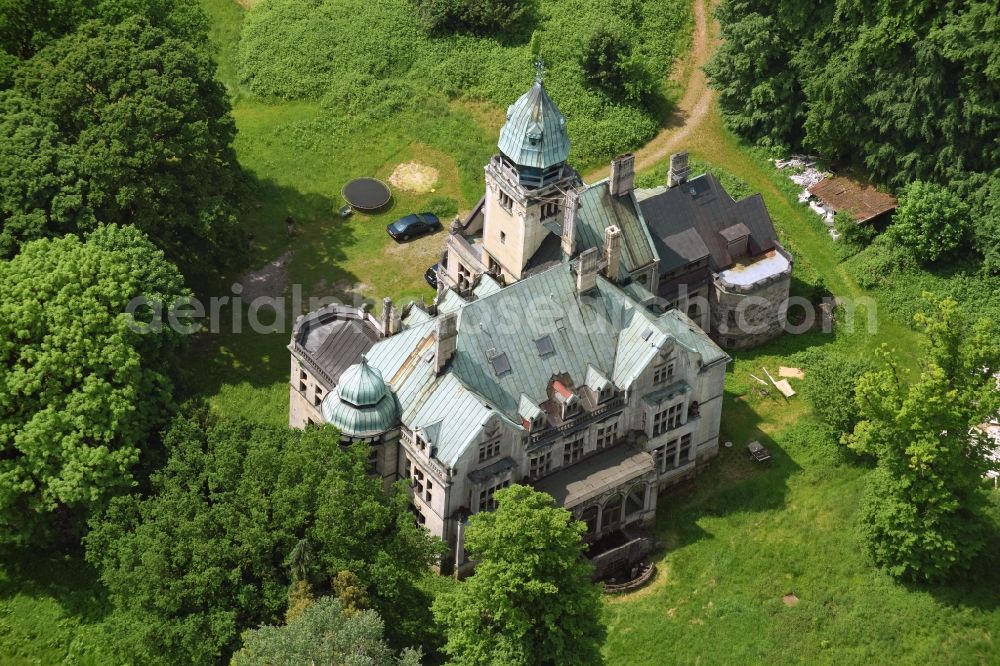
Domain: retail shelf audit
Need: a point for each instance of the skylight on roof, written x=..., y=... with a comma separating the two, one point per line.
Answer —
x=545, y=346
x=501, y=364
x=647, y=334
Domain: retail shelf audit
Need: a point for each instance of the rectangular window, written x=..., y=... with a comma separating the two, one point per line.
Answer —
x=572, y=451
x=427, y=492
x=318, y=396
x=302, y=381
x=607, y=435
x=685, y=448
x=490, y=449
x=486, y=501
x=663, y=372
x=539, y=465
x=506, y=201
x=503, y=237
x=668, y=419
x=372, y=460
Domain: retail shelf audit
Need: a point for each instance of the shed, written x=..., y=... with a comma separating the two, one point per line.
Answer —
x=865, y=203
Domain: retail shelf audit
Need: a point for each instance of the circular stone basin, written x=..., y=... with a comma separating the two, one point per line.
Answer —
x=366, y=193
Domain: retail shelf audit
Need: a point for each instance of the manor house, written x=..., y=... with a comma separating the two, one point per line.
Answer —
x=546, y=357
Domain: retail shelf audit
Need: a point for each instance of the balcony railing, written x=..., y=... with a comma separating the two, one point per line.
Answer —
x=577, y=423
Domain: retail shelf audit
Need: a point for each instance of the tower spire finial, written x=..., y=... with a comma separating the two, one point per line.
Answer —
x=539, y=70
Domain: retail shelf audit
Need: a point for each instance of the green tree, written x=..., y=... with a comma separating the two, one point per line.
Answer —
x=323, y=635
x=829, y=387
x=121, y=124
x=922, y=513
x=202, y=557
x=81, y=389
x=530, y=600
x=608, y=63
x=932, y=221
x=854, y=235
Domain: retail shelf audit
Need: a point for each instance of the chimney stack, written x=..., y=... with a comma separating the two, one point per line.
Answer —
x=586, y=271
x=387, y=316
x=569, y=222
x=446, y=340
x=679, y=169
x=622, y=175
x=612, y=252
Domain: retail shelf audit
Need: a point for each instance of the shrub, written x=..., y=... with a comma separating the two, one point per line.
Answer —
x=608, y=63
x=932, y=221
x=854, y=235
x=473, y=16
x=876, y=265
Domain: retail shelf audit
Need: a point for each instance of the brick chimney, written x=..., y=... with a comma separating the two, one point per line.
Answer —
x=586, y=271
x=612, y=252
x=446, y=340
x=569, y=222
x=679, y=169
x=622, y=175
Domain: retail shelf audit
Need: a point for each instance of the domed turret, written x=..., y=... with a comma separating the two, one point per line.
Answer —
x=535, y=135
x=361, y=405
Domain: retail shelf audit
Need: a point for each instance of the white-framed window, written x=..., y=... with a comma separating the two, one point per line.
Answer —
x=490, y=449
x=667, y=419
x=572, y=451
x=539, y=465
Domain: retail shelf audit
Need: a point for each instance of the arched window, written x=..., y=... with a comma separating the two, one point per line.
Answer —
x=589, y=518
x=612, y=513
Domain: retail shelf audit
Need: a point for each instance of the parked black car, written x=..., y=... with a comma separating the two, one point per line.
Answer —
x=431, y=275
x=414, y=224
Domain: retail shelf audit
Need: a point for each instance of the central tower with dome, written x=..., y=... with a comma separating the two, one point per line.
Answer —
x=526, y=183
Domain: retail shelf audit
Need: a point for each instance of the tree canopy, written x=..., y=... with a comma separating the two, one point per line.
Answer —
x=922, y=513
x=932, y=221
x=81, y=388
x=530, y=600
x=203, y=556
x=608, y=63
x=323, y=635
x=480, y=16
x=912, y=91
x=120, y=124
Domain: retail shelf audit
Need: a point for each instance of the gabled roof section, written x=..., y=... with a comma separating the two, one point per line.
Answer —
x=600, y=210
x=702, y=205
x=535, y=132
x=862, y=201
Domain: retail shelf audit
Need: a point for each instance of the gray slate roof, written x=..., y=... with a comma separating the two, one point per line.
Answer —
x=703, y=206
x=535, y=132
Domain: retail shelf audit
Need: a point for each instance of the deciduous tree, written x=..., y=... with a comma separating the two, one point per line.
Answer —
x=530, y=600
x=202, y=557
x=323, y=635
x=922, y=513
x=932, y=221
x=81, y=389
x=121, y=124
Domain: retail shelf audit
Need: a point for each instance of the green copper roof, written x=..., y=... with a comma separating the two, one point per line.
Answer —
x=361, y=405
x=356, y=421
x=361, y=385
x=535, y=132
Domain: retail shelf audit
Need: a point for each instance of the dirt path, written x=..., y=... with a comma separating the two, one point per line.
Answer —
x=693, y=107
